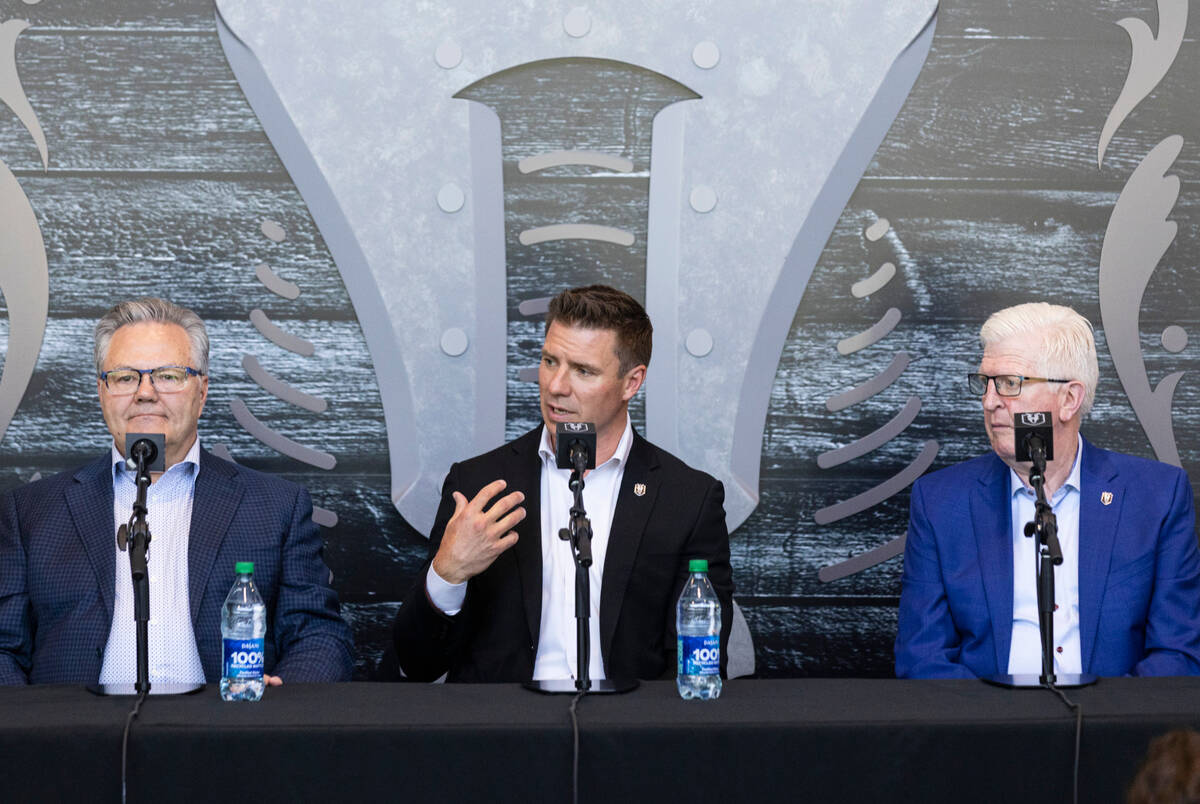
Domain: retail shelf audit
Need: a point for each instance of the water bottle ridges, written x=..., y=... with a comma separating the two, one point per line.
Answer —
x=243, y=633
x=698, y=625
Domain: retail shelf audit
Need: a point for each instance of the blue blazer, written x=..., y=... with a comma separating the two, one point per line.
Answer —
x=1139, y=571
x=57, y=572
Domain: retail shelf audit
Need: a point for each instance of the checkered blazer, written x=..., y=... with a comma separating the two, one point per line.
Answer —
x=57, y=572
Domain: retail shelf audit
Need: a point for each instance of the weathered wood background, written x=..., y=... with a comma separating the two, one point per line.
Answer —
x=160, y=180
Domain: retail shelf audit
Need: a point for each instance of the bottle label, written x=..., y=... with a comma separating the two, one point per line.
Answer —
x=244, y=658
x=699, y=655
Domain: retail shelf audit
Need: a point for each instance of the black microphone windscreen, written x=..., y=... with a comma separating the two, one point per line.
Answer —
x=1029, y=428
x=569, y=434
x=152, y=447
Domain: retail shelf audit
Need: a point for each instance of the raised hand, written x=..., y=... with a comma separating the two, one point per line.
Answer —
x=474, y=537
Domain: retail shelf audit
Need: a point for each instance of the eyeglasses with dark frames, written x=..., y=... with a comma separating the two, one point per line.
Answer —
x=1006, y=384
x=165, y=379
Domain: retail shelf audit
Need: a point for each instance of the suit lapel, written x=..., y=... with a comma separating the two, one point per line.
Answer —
x=218, y=492
x=1097, y=533
x=991, y=509
x=524, y=473
x=625, y=537
x=90, y=501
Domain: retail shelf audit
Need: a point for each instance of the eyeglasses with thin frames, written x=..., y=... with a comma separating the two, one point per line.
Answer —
x=165, y=379
x=1006, y=384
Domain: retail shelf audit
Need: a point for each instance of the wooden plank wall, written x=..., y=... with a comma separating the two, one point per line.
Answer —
x=160, y=180
x=989, y=180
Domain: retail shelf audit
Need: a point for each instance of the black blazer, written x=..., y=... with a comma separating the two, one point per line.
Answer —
x=680, y=516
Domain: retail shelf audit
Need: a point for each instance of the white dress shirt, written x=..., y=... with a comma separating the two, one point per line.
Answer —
x=556, y=651
x=173, y=656
x=1025, y=654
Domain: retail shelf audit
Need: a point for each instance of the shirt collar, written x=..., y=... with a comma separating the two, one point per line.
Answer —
x=1072, y=482
x=546, y=450
x=192, y=458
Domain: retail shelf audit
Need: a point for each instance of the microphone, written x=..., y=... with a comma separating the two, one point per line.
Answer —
x=1034, y=435
x=575, y=445
x=150, y=447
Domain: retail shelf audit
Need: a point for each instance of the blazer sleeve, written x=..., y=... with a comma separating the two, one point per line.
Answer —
x=423, y=636
x=1173, y=621
x=16, y=638
x=313, y=641
x=927, y=643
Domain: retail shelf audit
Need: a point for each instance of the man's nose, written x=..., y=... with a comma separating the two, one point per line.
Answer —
x=991, y=399
x=146, y=389
x=558, y=384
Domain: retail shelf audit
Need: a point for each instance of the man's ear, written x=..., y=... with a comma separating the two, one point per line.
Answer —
x=633, y=381
x=1070, y=400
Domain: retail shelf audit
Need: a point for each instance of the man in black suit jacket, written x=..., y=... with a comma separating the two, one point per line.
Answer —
x=488, y=606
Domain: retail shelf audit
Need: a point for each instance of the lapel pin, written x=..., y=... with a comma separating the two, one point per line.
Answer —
x=639, y=490
x=1106, y=498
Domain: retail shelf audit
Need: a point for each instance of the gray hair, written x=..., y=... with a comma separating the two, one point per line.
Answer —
x=153, y=310
x=1068, y=347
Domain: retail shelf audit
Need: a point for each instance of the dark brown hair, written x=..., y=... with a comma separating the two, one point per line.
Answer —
x=602, y=307
x=1171, y=772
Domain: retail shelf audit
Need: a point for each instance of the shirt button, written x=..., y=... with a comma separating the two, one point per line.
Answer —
x=1059, y=649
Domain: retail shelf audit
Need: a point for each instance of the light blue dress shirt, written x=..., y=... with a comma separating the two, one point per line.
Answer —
x=173, y=656
x=1025, y=655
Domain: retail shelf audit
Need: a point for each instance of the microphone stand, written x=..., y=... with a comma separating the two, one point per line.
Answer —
x=1045, y=528
x=139, y=543
x=1049, y=554
x=135, y=536
x=579, y=533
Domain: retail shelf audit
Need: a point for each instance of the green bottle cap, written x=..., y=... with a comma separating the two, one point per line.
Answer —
x=698, y=565
x=244, y=568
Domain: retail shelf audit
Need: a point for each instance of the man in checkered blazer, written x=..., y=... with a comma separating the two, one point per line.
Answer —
x=66, y=610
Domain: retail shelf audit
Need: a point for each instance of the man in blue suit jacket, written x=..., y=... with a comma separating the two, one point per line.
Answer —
x=65, y=590
x=1128, y=593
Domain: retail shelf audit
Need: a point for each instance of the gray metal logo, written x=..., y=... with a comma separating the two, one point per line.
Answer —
x=24, y=274
x=1139, y=232
x=467, y=160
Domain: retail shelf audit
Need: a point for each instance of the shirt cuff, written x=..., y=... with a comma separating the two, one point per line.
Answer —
x=445, y=596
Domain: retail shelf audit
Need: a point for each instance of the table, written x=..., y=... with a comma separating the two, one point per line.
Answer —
x=763, y=740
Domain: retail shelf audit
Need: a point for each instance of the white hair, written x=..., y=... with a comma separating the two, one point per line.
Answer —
x=1068, y=347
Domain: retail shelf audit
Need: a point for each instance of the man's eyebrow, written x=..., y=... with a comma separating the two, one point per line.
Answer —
x=587, y=366
x=572, y=363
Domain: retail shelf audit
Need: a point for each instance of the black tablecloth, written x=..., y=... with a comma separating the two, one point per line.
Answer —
x=781, y=740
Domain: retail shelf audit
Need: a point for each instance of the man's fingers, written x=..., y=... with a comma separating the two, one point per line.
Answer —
x=460, y=502
x=506, y=541
x=485, y=495
x=509, y=522
x=505, y=504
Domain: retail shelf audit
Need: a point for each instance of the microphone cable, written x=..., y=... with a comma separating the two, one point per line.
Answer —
x=575, y=757
x=133, y=713
x=1078, y=710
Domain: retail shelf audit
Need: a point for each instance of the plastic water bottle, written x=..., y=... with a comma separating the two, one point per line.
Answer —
x=698, y=623
x=243, y=633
